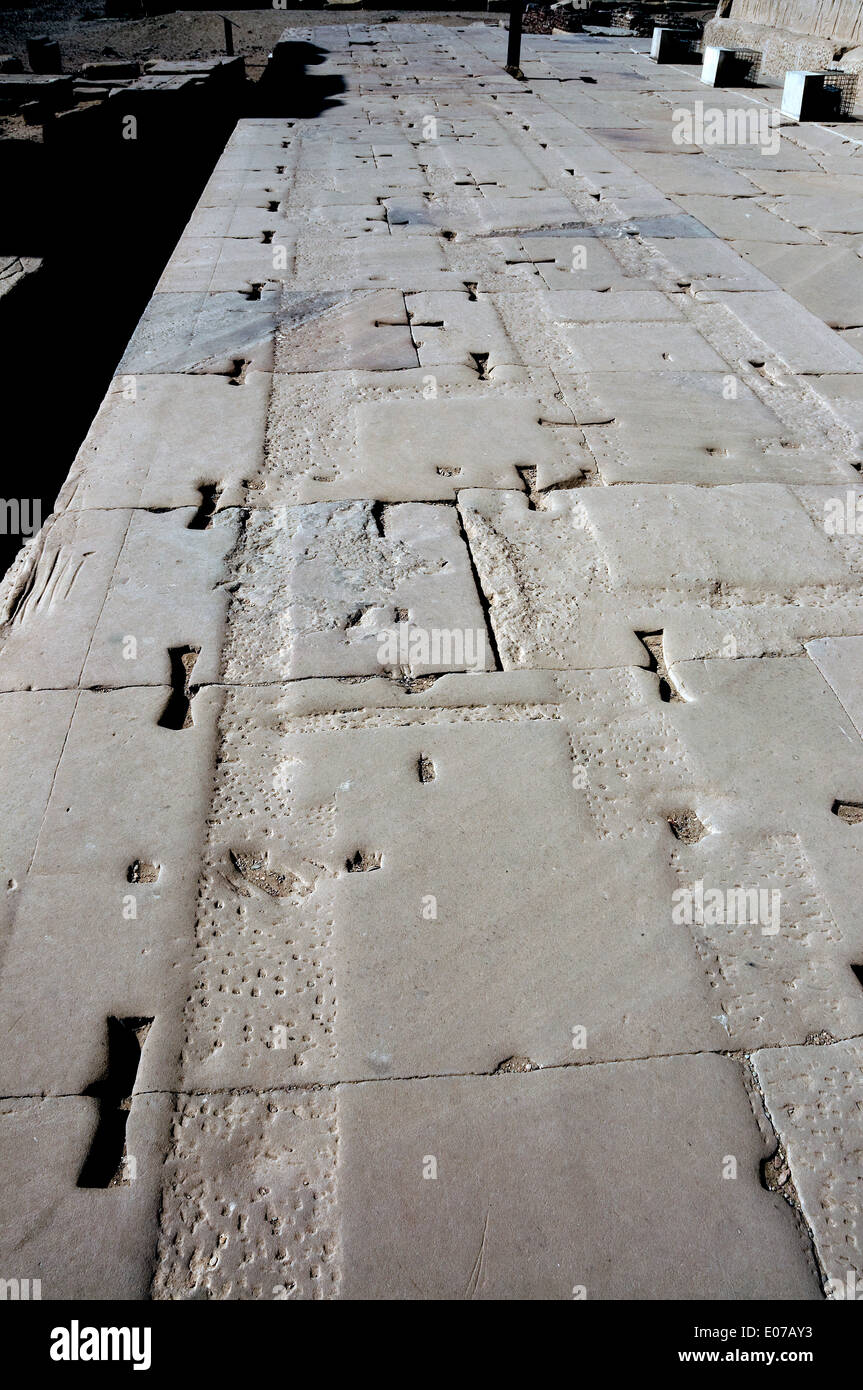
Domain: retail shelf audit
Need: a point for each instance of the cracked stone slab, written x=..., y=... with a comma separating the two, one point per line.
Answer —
x=52, y=595
x=824, y=279
x=420, y=434
x=100, y=597
x=813, y=1097
x=787, y=756
x=449, y=327
x=524, y=1165
x=34, y=727
x=359, y=572
x=164, y=555
x=158, y=440
x=696, y=173
x=571, y=583
x=227, y=264
x=733, y=218
x=840, y=661
x=708, y=264
x=832, y=211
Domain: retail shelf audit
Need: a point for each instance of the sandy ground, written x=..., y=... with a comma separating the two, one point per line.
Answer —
x=85, y=36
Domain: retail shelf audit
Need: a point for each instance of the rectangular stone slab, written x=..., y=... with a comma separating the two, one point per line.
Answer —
x=695, y=427
x=540, y=1192
x=157, y=440
x=812, y=1095
x=82, y=1243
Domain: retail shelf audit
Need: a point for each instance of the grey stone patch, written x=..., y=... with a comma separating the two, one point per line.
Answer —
x=196, y=331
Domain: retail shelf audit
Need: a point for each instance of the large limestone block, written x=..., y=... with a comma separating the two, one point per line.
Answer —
x=158, y=440
x=196, y=331
x=351, y=841
x=798, y=337
x=735, y=218
x=323, y=333
x=540, y=1188
x=102, y=598
x=51, y=598
x=82, y=1243
x=824, y=279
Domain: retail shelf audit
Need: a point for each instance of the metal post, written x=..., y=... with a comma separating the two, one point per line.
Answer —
x=229, y=37
x=513, y=52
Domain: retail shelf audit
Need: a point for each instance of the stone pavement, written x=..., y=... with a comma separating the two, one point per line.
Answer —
x=433, y=715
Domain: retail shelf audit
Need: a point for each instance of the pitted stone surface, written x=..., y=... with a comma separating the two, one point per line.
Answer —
x=454, y=612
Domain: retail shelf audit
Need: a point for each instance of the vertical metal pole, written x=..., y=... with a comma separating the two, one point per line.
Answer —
x=513, y=52
x=229, y=37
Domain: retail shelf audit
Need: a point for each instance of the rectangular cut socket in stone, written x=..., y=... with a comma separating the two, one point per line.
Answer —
x=167, y=592
x=691, y=427
x=527, y=1164
x=813, y=1097
x=294, y=986
x=81, y=1243
x=571, y=584
x=176, y=434
x=52, y=595
x=373, y=589
x=414, y=435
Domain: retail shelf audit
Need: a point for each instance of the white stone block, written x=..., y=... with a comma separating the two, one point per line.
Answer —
x=802, y=95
